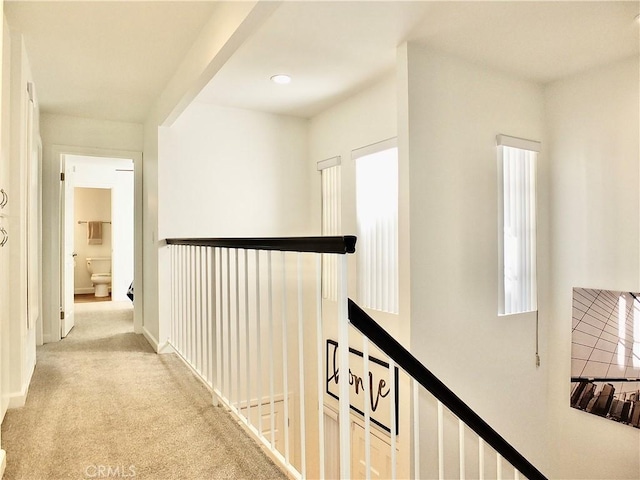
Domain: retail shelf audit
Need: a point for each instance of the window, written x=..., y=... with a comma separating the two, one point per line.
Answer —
x=377, y=219
x=331, y=224
x=517, y=216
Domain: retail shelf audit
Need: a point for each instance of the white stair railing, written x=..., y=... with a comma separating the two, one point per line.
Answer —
x=248, y=317
x=249, y=320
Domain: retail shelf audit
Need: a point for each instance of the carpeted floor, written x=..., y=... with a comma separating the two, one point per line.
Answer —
x=102, y=404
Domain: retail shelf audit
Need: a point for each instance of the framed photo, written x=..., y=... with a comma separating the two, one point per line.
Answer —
x=605, y=354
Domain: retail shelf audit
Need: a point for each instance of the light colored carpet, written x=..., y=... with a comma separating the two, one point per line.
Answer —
x=102, y=404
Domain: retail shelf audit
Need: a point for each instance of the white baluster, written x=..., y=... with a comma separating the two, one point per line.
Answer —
x=219, y=322
x=461, y=448
x=343, y=381
x=285, y=359
x=196, y=361
x=367, y=409
x=271, y=372
x=238, y=368
x=212, y=308
x=320, y=357
x=394, y=418
x=301, y=368
x=440, y=441
x=227, y=340
x=480, y=458
x=415, y=387
x=258, y=343
x=247, y=335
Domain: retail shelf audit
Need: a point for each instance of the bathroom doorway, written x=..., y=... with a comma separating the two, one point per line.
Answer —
x=97, y=232
x=92, y=244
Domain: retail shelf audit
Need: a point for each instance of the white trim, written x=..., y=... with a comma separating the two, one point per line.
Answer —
x=83, y=290
x=515, y=142
x=3, y=462
x=151, y=339
x=374, y=148
x=48, y=339
x=18, y=399
x=50, y=316
x=329, y=162
x=517, y=230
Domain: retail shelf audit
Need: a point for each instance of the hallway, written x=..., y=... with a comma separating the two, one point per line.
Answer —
x=103, y=404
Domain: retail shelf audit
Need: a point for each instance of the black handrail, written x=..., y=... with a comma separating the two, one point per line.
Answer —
x=385, y=342
x=340, y=245
x=605, y=379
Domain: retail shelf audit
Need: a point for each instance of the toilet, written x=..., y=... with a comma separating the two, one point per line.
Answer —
x=100, y=270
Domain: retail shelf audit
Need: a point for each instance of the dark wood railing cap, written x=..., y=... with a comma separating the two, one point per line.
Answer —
x=337, y=244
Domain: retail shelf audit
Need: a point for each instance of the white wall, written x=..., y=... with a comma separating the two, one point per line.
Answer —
x=225, y=172
x=228, y=172
x=86, y=136
x=20, y=135
x=455, y=111
x=124, y=232
x=361, y=120
x=229, y=26
x=150, y=254
x=364, y=119
x=595, y=236
x=5, y=155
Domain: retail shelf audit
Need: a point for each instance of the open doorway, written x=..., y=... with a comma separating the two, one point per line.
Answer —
x=93, y=245
x=97, y=232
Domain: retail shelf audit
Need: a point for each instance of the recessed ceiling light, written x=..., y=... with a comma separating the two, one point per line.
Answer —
x=281, y=79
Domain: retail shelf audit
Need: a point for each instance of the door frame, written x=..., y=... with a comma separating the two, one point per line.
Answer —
x=58, y=152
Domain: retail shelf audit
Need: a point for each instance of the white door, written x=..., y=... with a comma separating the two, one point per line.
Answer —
x=380, y=454
x=68, y=255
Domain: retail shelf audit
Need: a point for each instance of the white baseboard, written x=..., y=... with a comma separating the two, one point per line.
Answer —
x=17, y=400
x=46, y=338
x=151, y=339
x=84, y=290
x=3, y=462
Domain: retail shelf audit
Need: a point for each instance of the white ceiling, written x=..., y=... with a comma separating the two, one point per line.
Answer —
x=332, y=49
x=107, y=60
x=111, y=59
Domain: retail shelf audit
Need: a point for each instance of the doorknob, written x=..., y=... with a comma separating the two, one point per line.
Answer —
x=74, y=254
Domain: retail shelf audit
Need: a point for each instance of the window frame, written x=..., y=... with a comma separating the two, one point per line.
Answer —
x=385, y=302
x=330, y=221
x=525, y=237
